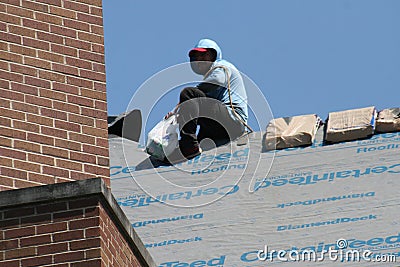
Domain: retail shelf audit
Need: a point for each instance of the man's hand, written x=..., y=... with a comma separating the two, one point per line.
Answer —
x=169, y=114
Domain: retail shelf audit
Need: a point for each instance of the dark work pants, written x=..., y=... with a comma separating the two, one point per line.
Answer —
x=210, y=114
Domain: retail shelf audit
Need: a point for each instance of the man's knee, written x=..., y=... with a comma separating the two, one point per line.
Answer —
x=190, y=93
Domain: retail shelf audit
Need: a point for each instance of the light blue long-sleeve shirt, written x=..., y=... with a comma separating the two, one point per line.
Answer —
x=219, y=77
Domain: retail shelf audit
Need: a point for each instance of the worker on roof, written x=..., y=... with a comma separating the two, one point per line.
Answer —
x=218, y=104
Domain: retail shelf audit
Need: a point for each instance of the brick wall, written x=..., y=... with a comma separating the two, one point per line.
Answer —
x=85, y=229
x=53, y=111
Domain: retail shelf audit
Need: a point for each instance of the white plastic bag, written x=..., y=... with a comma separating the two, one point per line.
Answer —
x=162, y=140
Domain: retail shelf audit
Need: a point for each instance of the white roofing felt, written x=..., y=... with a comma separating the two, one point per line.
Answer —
x=225, y=206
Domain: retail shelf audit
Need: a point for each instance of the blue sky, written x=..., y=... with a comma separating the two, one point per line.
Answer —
x=309, y=56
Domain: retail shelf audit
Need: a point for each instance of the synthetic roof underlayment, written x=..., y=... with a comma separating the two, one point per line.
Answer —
x=297, y=199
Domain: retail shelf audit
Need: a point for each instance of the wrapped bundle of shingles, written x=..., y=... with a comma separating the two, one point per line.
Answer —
x=340, y=126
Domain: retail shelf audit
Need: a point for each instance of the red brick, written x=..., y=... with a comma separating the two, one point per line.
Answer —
x=62, y=12
x=39, y=120
x=65, y=69
x=69, y=235
x=40, y=101
x=10, y=57
x=40, y=139
x=41, y=159
x=105, y=171
x=83, y=101
x=65, y=88
x=19, y=232
x=95, y=113
x=35, y=43
x=96, y=262
x=102, y=142
x=96, y=20
x=70, y=165
x=98, y=48
x=40, y=178
x=35, y=6
x=37, y=63
x=75, y=25
x=52, y=94
x=14, y=213
x=55, y=171
x=76, y=62
x=6, y=85
x=94, y=131
x=91, y=56
x=81, y=175
x=23, y=88
x=52, y=76
x=53, y=113
x=82, y=138
x=67, y=126
x=26, y=126
x=97, y=3
x=81, y=119
x=22, y=50
x=95, y=150
x=100, y=87
x=12, y=95
x=68, y=144
x=8, y=244
x=51, y=56
x=50, y=2
x=27, y=146
x=12, y=263
x=82, y=157
x=76, y=6
x=65, y=107
x=49, y=18
x=17, y=134
x=35, y=24
x=5, y=141
x=21, y=31
x=12, y=153
x=64, y=50
x=80, y=82
x=52, y=248
x=101, y=105
x=23, y=69
x=103, y=161
x=99, y=67
x=50, y=38
x=12, y=172
x=36, y=261
x=4, y=65
x=87, y=243
x=52, y=228
x=5, y=122
x=11, y=76
x=54, y=152
x=93, y=94
x=10, y=19
x=25, y=183
x=53, y=132
x=93, y=253
x=93, y=75
x=63, y=31
x=92, y=232
x=97, y=11
x=20, y=11
x=69, y=256
x=25, y=107
x=20, y=253
x=91, y=37
x=68, y=215
x=84, y=223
